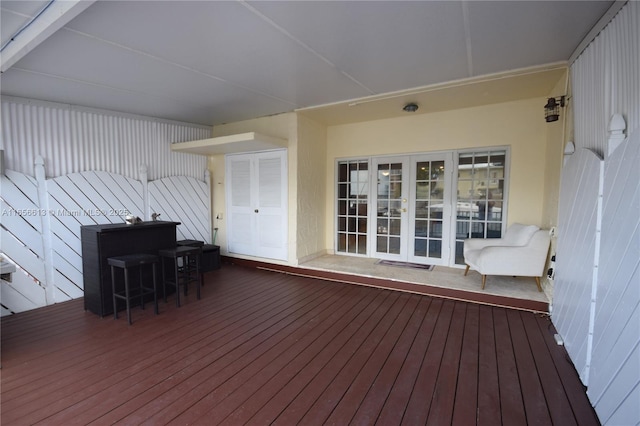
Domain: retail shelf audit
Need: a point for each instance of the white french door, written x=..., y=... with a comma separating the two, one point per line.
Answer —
x=430, y=208
x=411, y=219
x=391, y=206
x=256, y=188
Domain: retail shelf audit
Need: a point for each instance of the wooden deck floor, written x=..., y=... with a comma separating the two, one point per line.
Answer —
x=263, y=347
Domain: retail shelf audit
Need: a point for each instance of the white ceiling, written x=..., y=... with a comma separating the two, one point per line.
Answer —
x=211, y=62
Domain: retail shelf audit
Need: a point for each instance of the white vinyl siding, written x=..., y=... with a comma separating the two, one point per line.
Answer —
x=596, y=293
x=75, y=139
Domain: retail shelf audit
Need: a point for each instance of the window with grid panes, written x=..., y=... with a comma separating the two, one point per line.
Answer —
x=480, y=203
x=353, y=187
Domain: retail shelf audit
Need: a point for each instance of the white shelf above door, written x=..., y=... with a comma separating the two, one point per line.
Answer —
x=232, y=144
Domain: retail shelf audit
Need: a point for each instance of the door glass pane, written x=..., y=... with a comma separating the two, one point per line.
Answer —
x=342, y=241
x=343, y=172
x=422, y=209
x=342, y=190
x=395, y=208
x=382, y=244
x=394, y=226
x=351, y=243
x=435, y=248
x=422, y=227
x=362, y=244
x=459, y=253
x=394, y=245
x=422, y=190
x=383, y=208
x=342, y=207
x=435, y=229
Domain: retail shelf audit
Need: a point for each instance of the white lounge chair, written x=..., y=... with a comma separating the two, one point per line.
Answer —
x=521, y=252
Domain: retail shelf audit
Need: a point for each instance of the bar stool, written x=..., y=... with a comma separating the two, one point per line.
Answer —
x=186, y=269
x=200, y=245
x=126, y=262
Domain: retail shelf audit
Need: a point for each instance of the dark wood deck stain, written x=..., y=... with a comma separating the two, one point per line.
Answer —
x=263, y=347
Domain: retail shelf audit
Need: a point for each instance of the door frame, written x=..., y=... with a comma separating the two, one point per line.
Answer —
x=450, y=206
x=408, y=216
x=447, y=207
x=404, y=215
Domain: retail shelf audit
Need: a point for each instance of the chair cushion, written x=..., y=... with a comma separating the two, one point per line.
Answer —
x=519, y=234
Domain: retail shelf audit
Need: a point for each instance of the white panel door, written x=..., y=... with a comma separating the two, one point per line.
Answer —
x=271, y=203
x=239, y=204
x=257, y=204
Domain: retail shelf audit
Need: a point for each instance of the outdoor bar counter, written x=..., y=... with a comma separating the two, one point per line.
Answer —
x=99, y=242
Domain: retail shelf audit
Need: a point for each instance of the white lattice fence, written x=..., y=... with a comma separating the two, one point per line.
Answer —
x=78, y=199
x=21, y=243
x=41, y=220
x=186, y=200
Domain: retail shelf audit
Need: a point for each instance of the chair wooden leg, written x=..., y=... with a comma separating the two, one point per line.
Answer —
x=466, y=271
x=484, y=281
x=538, y=282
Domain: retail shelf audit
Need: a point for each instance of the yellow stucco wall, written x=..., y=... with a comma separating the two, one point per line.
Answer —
x=519, y=125
x=282, y=126
x=312, y=169
x=313, y=149
x=306, y=179
x=558, y=133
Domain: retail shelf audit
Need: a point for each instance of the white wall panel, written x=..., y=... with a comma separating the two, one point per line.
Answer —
x=605, y=80
x=575, y=255
x=616, y=350
x=74, y=139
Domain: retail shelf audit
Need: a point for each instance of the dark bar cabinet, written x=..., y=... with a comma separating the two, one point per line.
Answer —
x=100, y=242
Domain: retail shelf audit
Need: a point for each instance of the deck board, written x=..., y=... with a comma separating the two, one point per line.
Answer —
x=395, y=406
x=310, y=363
x=488, y=403
x=511, y=399
x=536, y=409
x=263, y=347
x=467, y=372
x=419, y=404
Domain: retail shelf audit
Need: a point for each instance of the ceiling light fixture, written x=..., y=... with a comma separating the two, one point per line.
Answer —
x=552, y=109
x=410, y=107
